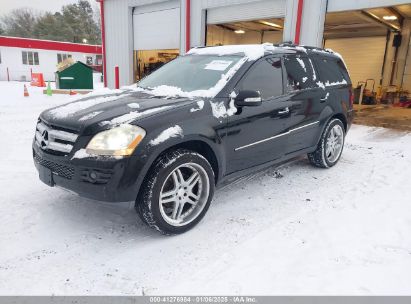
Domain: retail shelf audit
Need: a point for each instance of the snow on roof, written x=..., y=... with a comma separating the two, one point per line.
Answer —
x=251, y=51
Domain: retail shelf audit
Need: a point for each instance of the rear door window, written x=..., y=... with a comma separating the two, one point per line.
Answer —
x=265, y=77
x=300, y=75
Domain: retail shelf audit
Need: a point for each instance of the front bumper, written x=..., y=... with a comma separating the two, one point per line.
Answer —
x=101, y=178
x=350, y=118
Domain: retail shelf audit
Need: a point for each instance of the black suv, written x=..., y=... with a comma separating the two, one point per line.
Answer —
x=212, y=115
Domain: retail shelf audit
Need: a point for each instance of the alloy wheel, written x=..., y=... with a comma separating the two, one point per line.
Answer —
x=184, y=194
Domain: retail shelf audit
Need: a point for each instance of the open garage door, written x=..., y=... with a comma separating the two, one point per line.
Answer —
x=364, y=56
x=156, y=30
x=247, y=23
x=375, y=45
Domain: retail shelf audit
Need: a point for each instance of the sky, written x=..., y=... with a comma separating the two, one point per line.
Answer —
x=40, y=5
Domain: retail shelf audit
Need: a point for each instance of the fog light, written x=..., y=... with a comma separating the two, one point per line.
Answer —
x=93, y=175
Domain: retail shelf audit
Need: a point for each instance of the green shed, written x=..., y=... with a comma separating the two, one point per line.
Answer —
x=76, y=76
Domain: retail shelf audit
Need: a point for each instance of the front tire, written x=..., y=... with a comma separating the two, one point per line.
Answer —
x=177, y=192
x=331, y=145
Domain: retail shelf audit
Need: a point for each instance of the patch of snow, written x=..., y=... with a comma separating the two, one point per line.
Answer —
x=302, y=64
x=133, y=105
x=100, y=92
x=175, y=131
x=90, y=115
x=329, y=84
x=82, y=153
x=74, y=107
x=313, y=69
x=218, y=108
x=129, y=117
x=252, y=52
x=305, y=79
x=200, y=105
x=321, y=84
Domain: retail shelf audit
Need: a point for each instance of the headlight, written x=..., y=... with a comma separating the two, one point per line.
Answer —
x=119, y=141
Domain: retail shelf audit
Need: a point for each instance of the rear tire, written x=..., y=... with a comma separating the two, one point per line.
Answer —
x=331, y=145
x=177, y=192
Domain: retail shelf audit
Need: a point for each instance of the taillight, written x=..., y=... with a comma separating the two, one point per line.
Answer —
x=351, y=98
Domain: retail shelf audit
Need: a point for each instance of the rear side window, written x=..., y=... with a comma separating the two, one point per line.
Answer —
x=299, y=73
x=266, y=77
x=330, y=70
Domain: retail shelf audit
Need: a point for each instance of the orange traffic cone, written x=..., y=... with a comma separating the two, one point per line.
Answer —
x=26, y=92
x=73, y=92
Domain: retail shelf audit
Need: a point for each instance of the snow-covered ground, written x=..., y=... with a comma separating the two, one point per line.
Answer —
x=291, y=230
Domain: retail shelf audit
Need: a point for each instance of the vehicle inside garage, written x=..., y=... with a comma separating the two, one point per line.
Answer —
x=374, y=44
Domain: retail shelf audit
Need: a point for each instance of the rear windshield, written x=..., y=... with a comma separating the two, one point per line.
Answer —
x=331, y=70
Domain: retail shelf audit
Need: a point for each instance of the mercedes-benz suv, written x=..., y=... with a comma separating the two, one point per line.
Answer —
x=209, y=116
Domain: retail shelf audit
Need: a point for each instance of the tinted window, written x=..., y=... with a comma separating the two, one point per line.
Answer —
x=266, y=77
x=299, y=73
x=329, y=70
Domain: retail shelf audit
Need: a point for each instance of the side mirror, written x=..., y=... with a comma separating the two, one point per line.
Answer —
x=248, y=98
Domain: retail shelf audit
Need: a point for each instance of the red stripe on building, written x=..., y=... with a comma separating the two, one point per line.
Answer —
x=298, y=22
x=188, y=24
x=27, y=43
x=103, y=40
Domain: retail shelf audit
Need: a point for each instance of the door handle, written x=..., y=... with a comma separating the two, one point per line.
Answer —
x=284, y=111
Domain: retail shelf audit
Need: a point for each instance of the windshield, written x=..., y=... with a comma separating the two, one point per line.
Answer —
x=192, y=73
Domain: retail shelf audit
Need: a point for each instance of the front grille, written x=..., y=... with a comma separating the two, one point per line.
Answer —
x=60, y=170
x=54, y=141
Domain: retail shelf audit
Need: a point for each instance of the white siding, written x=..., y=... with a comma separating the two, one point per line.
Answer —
x=199, y=8
x=11, y=58
x=246, y=11
x=157, y=28
x=364, y=56
x=348, y=5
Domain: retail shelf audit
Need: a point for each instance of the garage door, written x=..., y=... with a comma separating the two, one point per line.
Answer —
x=247, y=11
x=364, y=56
x=157, y=27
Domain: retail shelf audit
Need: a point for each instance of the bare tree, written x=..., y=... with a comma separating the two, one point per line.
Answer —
x=20, y=22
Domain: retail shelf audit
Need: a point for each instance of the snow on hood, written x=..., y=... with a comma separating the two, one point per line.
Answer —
x=72, y=108
x=133, y=115
x=252, y=51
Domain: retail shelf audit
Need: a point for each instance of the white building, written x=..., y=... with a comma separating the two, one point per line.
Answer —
x=19, y=57
x=140, y=35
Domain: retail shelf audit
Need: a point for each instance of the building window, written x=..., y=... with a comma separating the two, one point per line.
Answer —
x=30, y=58
x=62, y=57
x=89, y=60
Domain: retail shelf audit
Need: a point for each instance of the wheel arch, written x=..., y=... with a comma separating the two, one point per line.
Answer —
x=341, y=117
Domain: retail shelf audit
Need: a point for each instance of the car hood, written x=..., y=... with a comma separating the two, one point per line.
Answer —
x=105, y=111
